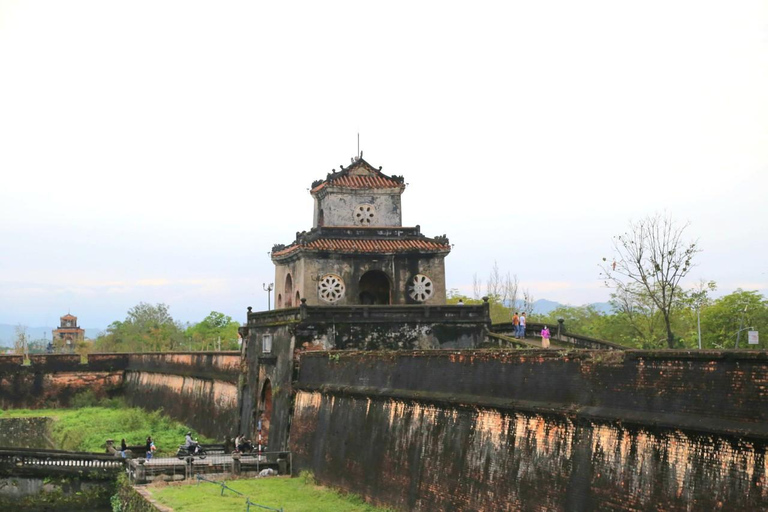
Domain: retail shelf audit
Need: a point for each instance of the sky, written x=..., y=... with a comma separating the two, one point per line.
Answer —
x=156, y=150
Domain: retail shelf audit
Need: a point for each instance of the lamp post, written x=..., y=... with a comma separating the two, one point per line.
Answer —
x=741, y=326
x=268, y=289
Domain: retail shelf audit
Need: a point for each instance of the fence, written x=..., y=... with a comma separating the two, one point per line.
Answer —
x=174, y=468
x=248, y=502
x=58, y=461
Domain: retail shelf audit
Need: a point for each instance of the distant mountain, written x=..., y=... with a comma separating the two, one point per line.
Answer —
x=8, y=333
x=544, y=306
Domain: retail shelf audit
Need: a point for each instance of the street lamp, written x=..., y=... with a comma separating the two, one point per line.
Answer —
x=268, y=289
x=741, y=326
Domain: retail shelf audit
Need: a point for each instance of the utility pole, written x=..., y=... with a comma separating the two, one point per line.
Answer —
x=698, y=323
x=268, y=289
x=741, y=326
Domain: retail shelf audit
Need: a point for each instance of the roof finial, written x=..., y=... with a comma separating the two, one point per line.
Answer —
x=358, y=145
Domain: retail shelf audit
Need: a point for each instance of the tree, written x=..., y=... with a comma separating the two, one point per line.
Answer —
x=21, y=340
x=721, y=320
x=640, y=313
x=649, y=262
x=214, y=327
x=146, y=328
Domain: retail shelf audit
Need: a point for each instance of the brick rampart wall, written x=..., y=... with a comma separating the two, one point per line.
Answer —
x=540, y=430
x=197, y=388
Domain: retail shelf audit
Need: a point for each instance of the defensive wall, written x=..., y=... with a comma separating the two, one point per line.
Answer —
x=197, y=388
x=410, y=414
x=276, y=340
x=537, y=430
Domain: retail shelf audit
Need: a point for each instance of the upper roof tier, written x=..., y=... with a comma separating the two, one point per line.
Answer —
x=359, y=175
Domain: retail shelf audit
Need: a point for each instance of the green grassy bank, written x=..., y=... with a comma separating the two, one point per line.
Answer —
x=87, y=428
x=291, y=494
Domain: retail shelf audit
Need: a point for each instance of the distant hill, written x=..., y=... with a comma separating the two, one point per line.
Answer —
x=544, y=306
x=8, y=333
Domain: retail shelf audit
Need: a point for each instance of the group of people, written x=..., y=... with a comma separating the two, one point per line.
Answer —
x=150, y=448
x=519, y=323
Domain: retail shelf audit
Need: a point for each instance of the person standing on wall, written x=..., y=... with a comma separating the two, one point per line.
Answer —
x=150, y=447
x=516, y=323
x=522, y=325
x=545, y=337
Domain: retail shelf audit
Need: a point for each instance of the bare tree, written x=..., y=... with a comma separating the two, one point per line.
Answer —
x=651, y=259
x=641, y=313
x=528, y=301
x=21, y=340
x=493, y=287
x=509, y=290
x=476, y=290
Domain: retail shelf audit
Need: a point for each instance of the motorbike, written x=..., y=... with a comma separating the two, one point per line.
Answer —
x=194, y=451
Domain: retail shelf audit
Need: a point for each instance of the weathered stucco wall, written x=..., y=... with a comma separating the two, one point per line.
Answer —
x=52, y=380
x=197, y=388
x=537, y=431
x=268, y=388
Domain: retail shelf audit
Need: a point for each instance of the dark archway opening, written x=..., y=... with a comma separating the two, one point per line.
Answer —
x=288, y=291
x=374, y=288
x=265, y=416
x=321, y=218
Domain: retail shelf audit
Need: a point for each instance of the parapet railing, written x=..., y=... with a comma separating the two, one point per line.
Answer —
x=367, y=314
x=558, y=332
x=30, y=458
x=100, y=361
x=141, y=470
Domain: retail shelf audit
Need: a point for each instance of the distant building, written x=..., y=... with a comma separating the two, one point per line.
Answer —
x=68, y=333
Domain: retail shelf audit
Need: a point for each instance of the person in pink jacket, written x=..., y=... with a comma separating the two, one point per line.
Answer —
x=545, y=337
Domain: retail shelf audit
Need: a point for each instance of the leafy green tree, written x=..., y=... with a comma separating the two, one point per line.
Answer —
x=721, y=320
x=206, y=334
x=147, y=328
x=499, y=312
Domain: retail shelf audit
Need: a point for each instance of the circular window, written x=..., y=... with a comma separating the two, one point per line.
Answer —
x=331, y=288
x=364, y=214
x=421, y=288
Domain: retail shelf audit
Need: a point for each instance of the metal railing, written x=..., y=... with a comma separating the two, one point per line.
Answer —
x=225, y=487
x=21, y=457
x=185, y=467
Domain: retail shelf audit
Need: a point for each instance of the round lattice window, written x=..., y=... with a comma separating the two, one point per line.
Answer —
x=364, y=214
x=421, y=288
x=331, y=288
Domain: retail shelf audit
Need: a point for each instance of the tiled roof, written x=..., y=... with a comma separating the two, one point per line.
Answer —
x=360, y=174
x=357, y=245
x=69, y=317
x=349, y=181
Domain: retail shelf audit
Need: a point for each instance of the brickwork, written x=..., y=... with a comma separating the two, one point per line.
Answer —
x=590, y=430
x=197, y=388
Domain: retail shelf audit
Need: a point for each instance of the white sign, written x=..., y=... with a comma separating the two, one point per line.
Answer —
x=753, y=339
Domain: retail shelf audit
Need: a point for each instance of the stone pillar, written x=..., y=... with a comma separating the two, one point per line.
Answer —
x=237, y=466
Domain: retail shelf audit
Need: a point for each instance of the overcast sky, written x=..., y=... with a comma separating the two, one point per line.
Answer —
x=156, y=150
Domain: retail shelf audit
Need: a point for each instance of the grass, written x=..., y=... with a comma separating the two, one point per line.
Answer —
x=290, y=494
x=87, y=428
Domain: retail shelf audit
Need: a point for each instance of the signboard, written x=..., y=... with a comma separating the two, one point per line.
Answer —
x=752, y=338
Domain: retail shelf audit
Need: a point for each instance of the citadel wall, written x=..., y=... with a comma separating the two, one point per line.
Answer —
x=197, y=388
x=534, y=430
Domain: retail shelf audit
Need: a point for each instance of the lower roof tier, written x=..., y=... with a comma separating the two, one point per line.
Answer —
x=363, y=241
